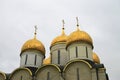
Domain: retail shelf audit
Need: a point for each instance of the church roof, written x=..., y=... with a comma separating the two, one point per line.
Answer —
x=33, y=44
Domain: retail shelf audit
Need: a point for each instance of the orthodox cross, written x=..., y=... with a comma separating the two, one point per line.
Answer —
x=63, y=24
x=77, y=21
x=35, y=33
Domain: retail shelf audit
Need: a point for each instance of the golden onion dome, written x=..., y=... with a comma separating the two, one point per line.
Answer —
x=96, y=58
x=78, y=36
x=47, y=60
x=33, y=44
x=60, y=39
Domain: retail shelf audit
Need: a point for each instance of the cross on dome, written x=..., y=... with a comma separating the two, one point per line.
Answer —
x=63, y=24
x=63, y=33
x=77, y=23
x=35, y=33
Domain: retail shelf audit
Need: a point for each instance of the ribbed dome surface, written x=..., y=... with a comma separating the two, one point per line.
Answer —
x=78, y=36
x=96, y=58
x=33, y=44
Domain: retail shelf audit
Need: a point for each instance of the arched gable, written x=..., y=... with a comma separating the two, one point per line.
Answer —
x=2, y=76
x=77, y=60
x=21, y=73
x=47, y=72
x=77, y=70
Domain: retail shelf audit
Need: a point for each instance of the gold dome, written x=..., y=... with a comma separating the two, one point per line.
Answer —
x=33, y=44
x=60, y=39
x=47, y=61
x=96, y=58
x=79, y=35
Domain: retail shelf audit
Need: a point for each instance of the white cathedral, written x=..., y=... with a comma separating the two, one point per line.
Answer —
x=71, y=58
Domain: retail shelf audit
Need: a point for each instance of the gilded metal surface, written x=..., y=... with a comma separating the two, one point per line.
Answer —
x=79, y=35
x=47, y=61
x=96, y=58
x=33, y=44
x=61, y=38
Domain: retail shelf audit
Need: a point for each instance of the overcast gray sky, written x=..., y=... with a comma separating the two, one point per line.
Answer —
x=99, y=18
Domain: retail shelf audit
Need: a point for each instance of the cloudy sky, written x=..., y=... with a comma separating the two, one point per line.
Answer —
x=100, y=18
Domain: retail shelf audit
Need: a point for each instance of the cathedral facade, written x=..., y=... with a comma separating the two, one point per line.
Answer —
x=71, y=58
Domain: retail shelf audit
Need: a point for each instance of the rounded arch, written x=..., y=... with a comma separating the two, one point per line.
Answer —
x=2, y=76
x=69, y=63
x=49, y=65
x=77, y=70
x=46, y=72
x=21, y=73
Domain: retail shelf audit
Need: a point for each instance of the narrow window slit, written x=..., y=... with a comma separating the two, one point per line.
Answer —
x=86, y=52
x=76, y=51
x=78, y=74
x=48, y=75
x=26, y=59
x=58, y=56
x=35, y=60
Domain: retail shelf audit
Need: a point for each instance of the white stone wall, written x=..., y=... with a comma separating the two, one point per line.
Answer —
x=48, y=73
x=73, y=70
x=54, y=57
x=30, y=60
x=78, y=71
x=64, y=57
x=63, y=54
x=101, y=74
x=81, y=50
x=20, y=75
